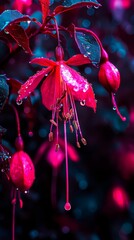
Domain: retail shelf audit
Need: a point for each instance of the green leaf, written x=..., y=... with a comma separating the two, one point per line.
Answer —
x=71, y=4
x=88, y=46
x=12, y=16
x=4, y=91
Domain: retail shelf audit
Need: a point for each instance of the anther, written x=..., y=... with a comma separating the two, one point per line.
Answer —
x=75, y=125
x=83, y=140
x=57, y=146
x=71, y=128
x=50, y=136
x=53, y=122
x=78, y=144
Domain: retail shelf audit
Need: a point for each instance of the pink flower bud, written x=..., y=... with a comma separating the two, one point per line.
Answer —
x=22, y=171
x=109, y=77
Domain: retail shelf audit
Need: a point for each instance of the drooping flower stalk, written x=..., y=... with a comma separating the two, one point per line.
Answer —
x=67, y=204
x=21, y=171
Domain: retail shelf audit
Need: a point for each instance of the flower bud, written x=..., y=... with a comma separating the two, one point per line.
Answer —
x=109, y=77
x=59, y=53
x=19, y=143
x=22, y=171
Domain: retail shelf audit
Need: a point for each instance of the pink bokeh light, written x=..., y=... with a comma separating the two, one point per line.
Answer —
x=120, y=197
x=121, y=4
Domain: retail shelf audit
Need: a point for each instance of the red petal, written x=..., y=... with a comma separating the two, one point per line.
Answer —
x=51, y=89
x=43, y=62
x=31, y=84
x=45, y=8
x=22, y=171
x=78, y=85
x=78, y=60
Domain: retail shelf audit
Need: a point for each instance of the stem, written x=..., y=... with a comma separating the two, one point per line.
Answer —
x=67, y=204
x=17, y=119
x=115, y=107
x=13, y=214
x=57, y=31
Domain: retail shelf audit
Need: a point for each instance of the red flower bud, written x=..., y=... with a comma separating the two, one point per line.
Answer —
x=22, y=171
x=59, y=53
x=109, y=77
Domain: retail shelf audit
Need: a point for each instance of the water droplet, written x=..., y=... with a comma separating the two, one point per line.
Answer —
x=67, y=206
x=114, y=108
x=6, y=32
x=25, y=192
x=96, y=7
x=19, y=102
x=82, y=103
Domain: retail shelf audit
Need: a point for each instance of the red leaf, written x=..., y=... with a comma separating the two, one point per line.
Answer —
x=32, y=83
x=60, y=9
x=45, y=8
x=20, y=36
x=43, y=62
x=14, y=85
x=78, y=60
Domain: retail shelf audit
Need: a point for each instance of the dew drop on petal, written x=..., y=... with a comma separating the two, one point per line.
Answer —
x=114, y=108
x=96, y=7
x=6, y=32
x=82, y=103
x=19, y=102
x=67, y=206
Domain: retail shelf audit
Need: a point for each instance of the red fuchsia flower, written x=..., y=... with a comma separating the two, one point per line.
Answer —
x=59, y=91
x=109, y=77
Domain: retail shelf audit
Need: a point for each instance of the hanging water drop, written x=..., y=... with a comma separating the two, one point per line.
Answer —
x=6, y=32
x=82, y=103
x=96, y=7
x=114, y=108
x=19, y=102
